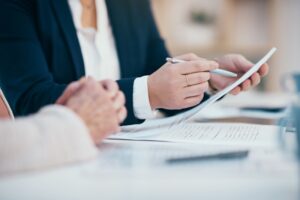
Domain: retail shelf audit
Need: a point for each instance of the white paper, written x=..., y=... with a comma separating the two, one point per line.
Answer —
x=185, y=116
x=210, y=133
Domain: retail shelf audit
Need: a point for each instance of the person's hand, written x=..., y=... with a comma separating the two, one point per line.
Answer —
x=93, y=104
x=182, y=85
x=117, y=97
x=110, y=86
x=69, y=91
x=240, y=65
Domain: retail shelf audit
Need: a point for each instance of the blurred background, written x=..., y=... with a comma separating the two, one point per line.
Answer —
x=211, y=28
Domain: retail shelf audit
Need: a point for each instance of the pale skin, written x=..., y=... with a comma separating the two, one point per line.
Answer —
x=168, y=87
x=100, y=106
x=89, y=14
x=238, y=64
x=179, y=86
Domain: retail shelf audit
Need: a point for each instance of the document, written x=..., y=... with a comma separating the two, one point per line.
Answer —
x=185, y=116
x=209, y=133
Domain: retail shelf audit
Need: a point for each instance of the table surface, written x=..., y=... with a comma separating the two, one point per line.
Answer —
x=137, y=170
x=122, y=173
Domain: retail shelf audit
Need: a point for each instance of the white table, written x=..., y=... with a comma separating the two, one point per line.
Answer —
x=265, y=174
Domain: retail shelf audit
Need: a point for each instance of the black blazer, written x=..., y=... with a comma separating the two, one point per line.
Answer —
x=40, y=52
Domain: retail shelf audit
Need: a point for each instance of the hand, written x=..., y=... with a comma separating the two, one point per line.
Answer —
x=117, y=97
x=238, y=64
x=110, y=86
x=90, y=101
x=182, y=85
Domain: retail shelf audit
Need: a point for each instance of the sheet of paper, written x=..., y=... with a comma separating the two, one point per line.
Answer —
x=209, y=133
x=190, y=113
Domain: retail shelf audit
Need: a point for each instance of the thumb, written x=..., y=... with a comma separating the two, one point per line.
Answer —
x=242, y=63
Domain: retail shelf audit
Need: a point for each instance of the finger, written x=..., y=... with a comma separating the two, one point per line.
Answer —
x=69, y=91
x=196, y=90
x=193, y=101
x=119, y=101
x=122, y=114
x=236, y=91
x=87, y=80
x=264, y=70
x=255, y=79
x=91, y=86
x=246, y=85
x=111, y=86
x=189, y=57
x=197, y=78
x=83, y=79
x=196, y=66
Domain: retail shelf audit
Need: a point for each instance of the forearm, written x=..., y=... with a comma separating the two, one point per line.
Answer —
x=53, y=137
x=38, y=97
x=27, y=83
x=25, y=73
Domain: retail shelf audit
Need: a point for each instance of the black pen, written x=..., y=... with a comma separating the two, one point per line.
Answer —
x=219, y=156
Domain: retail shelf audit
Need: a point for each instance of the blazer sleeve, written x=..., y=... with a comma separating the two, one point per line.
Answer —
x=156, y=52
x=53, y=137
x=25, y=79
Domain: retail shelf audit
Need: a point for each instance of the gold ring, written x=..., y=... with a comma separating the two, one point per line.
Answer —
x=187, y=80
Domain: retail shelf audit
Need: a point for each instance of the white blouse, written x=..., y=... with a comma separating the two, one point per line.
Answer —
x=100, y=55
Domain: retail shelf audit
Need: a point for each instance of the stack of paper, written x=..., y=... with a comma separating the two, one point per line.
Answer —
x=209, y=133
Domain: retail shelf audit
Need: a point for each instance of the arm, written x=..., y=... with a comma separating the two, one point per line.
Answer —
x=53, y=137
x=157, y=51
x=155, y=54
x=25, y=78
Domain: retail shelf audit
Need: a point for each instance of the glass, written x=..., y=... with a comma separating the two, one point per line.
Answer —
x=291, y=84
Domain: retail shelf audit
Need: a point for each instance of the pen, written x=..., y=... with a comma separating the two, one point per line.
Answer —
x=221, y=72
x=218, y=156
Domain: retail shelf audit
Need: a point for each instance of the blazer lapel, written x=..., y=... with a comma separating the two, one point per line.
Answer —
x=122, y=30
x=64, y=17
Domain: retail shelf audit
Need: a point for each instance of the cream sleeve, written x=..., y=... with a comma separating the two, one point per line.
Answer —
x=52, y=137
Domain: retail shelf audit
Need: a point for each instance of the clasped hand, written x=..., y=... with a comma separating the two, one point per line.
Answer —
x=99, y=104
